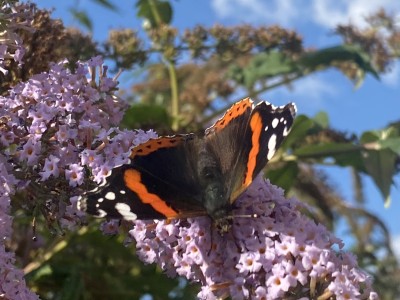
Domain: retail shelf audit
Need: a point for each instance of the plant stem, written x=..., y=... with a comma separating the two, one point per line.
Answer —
x=155, y=13
x=172, y=74
x=174, y=95
x=54, y=249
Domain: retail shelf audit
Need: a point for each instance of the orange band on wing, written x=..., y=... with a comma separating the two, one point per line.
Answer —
x=133, y=182
x=255, y=125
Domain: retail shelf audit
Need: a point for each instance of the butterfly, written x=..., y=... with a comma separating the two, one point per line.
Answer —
x=185, y=175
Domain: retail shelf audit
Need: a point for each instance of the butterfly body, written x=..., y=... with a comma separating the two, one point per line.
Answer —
x=185, y=175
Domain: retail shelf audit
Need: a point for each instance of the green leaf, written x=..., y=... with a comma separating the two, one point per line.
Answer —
x=325, y=57
x=106, y=4
x=155, y=11
x=43, y=271
x=322, y=119
x=381, y=166
x=392, y=144
x=343, y=154
x=325, y=149
x=146, y=115
x=387, y=138
x=369, y=137
x=72, y=285
x=262, y=66
x=82, y=18
x=352, y=158
x=302, y=125
x=284, y=177
x=93, y=266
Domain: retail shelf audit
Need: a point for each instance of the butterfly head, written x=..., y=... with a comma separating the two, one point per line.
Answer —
x=224, y=224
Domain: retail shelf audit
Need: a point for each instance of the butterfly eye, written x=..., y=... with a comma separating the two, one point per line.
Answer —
x=209, y=173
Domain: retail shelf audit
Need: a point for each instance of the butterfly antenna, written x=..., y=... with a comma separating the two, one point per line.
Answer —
x=244, y=216
x=236, y=239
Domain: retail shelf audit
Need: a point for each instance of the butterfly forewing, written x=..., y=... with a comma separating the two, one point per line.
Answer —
x=230, y=144
x=250, y=141
x=271, y=130
x=160, y=182
x=268, y=126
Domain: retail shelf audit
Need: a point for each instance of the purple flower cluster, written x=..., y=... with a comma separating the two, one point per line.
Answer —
x=275, y=254
x=16, y=16
x=53, y=128
x=60, y=124
x=12, y=283
x=51, y=123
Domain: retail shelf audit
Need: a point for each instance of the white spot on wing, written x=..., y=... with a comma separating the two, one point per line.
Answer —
x=101, y=213
x=125, y=211
x=271, y=146
x=272, y=142
x=285, y=131
x=100, y=199
x=94, y=190
x=270, y=154
x=275, y=122
x=81, y=204
x=122, y=192
x=104, y=180
x=266, y=128
x=110, y=196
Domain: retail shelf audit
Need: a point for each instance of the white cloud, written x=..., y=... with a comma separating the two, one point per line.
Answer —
x=392, y=78
x=396, y=246
x=329, y=13
x=326, y=13
x=272, y=11
x=311, y=91
x=313, y=87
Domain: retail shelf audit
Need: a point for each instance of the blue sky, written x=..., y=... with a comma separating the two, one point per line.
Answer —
x=372, y=106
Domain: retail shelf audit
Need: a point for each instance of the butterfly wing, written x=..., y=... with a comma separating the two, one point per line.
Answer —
x=269, y=125
x=227, y=140
x=246, y=138
x=160, y=182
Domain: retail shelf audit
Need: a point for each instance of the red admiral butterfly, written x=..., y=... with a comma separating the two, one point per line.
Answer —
x=184, y=176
